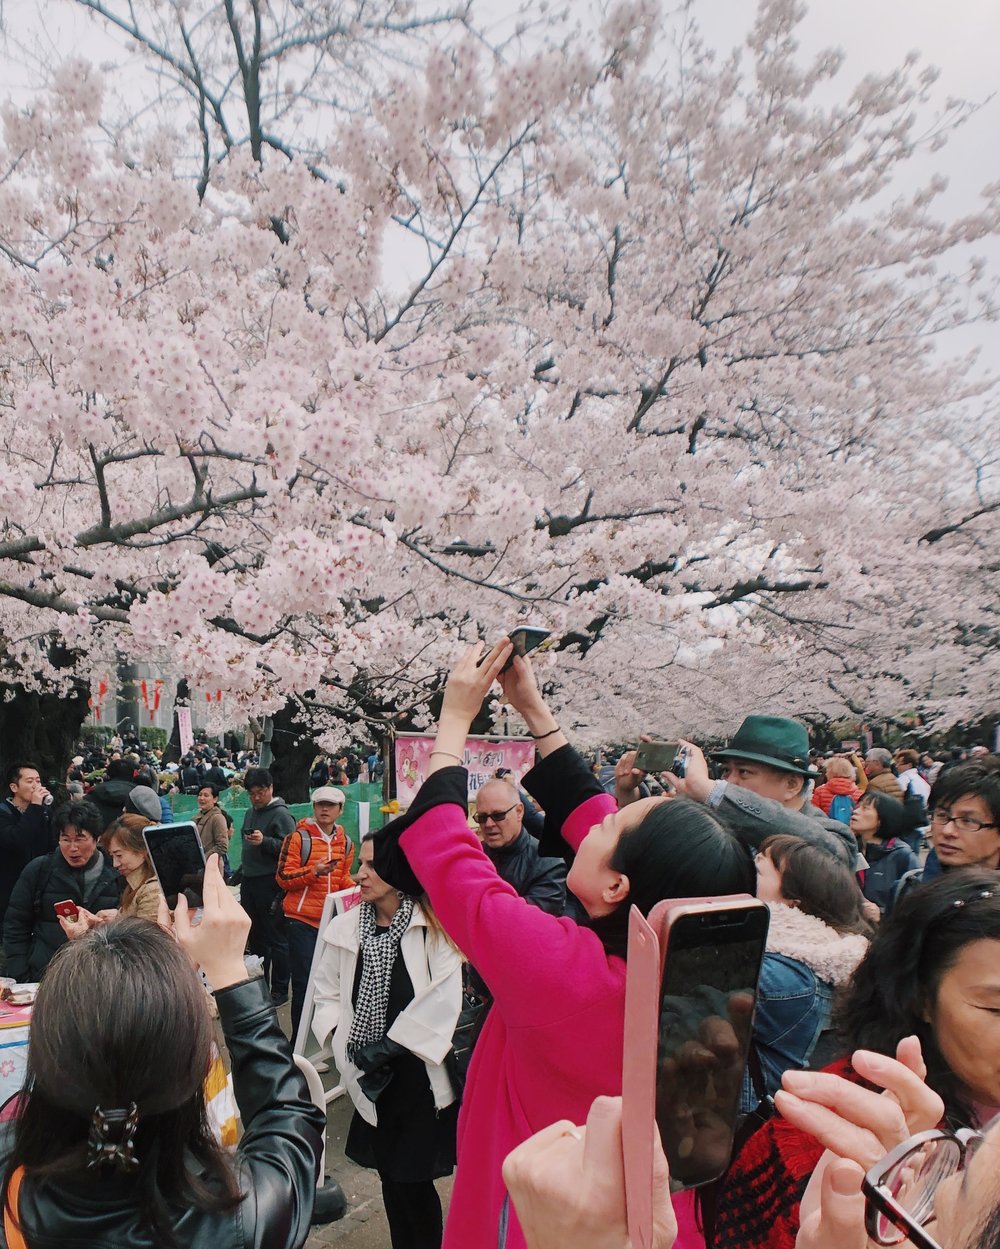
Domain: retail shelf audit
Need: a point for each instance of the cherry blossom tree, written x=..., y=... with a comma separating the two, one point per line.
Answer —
x=304, y=385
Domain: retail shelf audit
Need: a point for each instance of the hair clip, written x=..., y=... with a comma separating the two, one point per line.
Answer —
x=983, y=893
x=112, y=1138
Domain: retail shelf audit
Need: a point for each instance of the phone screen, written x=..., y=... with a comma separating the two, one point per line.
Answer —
x=524, y=640
x=178, y=860
x=707, y=1001
x=656, y=756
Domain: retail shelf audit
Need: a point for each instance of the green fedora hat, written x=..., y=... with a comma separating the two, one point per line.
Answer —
x=774, y=740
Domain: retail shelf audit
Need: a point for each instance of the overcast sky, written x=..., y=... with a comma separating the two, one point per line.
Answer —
x=961, y=37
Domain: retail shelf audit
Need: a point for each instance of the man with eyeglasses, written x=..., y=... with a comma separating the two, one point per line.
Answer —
x=514, y=852
x=964, y=823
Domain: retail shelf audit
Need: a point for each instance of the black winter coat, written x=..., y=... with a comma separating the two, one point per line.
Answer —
x=24, y=835
x=277, y=1160
x=31, y=931
x=109, y=798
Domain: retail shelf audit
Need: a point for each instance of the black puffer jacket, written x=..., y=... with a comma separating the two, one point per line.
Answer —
x=31, y=930
x=276, y=1162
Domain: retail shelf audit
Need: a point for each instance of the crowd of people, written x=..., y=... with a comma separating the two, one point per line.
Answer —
x=474, y=997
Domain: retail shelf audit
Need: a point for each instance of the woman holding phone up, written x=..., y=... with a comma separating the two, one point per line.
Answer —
x=553, y=1039
x=111, y=1146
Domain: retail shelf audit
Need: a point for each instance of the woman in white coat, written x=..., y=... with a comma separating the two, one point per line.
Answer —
x=389, y=988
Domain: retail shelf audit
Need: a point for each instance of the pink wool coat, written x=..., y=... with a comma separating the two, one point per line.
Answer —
x=553, y=1039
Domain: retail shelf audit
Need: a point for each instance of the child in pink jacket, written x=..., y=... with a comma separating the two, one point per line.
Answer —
x=554, y=1037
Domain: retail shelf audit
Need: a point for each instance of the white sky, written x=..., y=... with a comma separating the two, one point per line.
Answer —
x=961, y=37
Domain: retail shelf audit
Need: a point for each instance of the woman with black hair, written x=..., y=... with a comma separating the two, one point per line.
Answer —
x=932, y=971
x=881, y=822
x=553, y=1039
x=110, y=1145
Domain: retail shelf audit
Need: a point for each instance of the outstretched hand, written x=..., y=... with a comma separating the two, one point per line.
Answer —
x=520, y=688
x=858, y=1127
x=470, y=681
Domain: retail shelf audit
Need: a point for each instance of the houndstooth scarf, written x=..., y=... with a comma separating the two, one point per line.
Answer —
x=378, y=953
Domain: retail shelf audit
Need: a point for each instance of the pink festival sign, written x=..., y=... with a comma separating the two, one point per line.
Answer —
x=483, y=755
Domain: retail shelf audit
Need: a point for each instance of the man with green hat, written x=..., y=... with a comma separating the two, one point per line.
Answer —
x=766, y=786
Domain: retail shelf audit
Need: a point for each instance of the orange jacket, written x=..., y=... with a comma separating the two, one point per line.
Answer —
x=305, y=888
x=823, y=795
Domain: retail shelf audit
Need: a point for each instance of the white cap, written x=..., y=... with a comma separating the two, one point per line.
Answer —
x=327, y=793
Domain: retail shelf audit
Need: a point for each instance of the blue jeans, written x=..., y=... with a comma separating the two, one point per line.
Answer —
x=301, y=944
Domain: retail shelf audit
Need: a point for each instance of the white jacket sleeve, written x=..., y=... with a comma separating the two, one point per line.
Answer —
x=427, y=1025
x=326, y=998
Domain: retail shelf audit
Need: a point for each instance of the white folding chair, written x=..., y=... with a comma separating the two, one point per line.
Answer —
x=335, y=904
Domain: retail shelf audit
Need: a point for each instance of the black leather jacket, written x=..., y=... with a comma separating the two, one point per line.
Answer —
x=540, y=880
x=277, y=1161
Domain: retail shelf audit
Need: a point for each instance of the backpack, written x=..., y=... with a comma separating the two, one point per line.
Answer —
x=842, y=808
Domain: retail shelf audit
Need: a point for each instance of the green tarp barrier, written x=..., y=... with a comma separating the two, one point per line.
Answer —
x=236, y=802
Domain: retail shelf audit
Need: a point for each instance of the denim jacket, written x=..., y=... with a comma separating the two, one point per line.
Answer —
x=805, y=961
x=793, y=1008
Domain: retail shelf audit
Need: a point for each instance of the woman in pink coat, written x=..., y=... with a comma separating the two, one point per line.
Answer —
x=553, y=1038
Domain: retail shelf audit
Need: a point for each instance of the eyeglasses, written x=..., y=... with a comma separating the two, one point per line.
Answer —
x=900, y=1189
x=492, y=817
x=964, y=823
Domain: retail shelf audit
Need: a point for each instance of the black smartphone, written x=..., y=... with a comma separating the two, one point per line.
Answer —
x=525, y=639
x=708, y=993
x=178, y=859
x=656, y=756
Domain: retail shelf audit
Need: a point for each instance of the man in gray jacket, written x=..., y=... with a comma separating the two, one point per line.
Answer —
x=266, y=824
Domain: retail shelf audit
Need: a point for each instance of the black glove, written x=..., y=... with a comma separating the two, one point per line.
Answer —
x=369, y=1058
x=374, y=1083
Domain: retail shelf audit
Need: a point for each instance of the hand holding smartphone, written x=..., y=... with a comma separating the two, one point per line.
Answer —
x=178, y=859
x=524, y=640
x=67, y=909
x=693, y=969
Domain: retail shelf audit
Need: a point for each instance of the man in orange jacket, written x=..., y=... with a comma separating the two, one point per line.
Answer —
x=315, y=861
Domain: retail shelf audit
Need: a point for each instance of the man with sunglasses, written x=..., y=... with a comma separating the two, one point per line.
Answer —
x=514, y=852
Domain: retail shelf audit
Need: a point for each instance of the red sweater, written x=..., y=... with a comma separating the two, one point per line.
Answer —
x=759, y=1199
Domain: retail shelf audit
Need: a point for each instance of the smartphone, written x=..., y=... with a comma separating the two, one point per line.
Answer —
x=690, y=997
x=525, y=639
x=656, y=756
x=67, y=909
x=178, y=859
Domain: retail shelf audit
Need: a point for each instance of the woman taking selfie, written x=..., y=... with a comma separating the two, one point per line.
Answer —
x=553, y=1038
x=110, y=1146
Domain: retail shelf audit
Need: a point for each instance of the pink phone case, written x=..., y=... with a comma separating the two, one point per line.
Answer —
x=646, y=959
x=642, y=994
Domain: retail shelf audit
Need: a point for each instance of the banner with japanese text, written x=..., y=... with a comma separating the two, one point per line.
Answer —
x=184, y=729
x=483, y=755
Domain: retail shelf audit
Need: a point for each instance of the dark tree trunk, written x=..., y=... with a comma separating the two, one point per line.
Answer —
x=294, y=750
x=182, y=698
x=43, y=728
